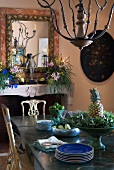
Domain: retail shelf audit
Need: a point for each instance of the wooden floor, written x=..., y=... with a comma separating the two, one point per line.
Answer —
x=3, y=154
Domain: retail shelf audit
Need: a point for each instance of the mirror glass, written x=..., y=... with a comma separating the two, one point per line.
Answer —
x=7, y=15
x=36, y=42
x=43, y=42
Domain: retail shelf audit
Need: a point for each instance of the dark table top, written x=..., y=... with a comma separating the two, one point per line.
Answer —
x=103, y=159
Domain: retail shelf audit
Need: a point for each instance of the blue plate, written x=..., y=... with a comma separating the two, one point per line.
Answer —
x=75, y=148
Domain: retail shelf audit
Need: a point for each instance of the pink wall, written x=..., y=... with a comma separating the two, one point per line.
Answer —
x=81, y=97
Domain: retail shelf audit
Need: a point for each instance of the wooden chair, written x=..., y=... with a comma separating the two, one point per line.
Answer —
x=33, y=107
x=15, y=160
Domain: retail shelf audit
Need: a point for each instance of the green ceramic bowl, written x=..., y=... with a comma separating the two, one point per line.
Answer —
x=56, y=112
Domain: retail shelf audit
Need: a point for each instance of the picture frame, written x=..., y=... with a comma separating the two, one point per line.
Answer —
x=20, y=59
x=18, y=56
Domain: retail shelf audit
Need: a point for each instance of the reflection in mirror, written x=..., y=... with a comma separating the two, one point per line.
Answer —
x=44, y=29
x=43, y=52
x=26, y=39
x=7, y=15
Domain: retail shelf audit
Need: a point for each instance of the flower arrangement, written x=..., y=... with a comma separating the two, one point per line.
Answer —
x=8, y=76
x=59, y=74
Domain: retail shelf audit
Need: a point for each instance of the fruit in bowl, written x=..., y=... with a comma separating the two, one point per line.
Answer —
x=65, y=130
x=57, y=110
x=42, y=80
x=66, y=126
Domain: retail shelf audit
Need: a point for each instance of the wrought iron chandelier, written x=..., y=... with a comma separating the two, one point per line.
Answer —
x=23, y=36
x=80, y=36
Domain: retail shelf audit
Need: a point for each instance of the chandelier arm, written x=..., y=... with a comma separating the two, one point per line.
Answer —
x=18, y=38
x=56, y=28
x=101, y=7
x=107, y=25
x=26, y=33
x=54, y=19
x=100, y=35
x=82, y=40
x=88, y=20
x=25, y=44
x=21, y=30
x=64, y=19
x=95, y=24
x=28, y=38
x=73, y=20
x=47, y=6
x=23, y=37
x=110, y=17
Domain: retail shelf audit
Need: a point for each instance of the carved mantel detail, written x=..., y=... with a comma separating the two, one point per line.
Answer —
x=37, y=90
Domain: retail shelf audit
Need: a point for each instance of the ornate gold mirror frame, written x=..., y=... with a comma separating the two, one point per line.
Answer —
x=9, y=14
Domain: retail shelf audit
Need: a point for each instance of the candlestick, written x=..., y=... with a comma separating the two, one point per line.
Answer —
x=34, y=27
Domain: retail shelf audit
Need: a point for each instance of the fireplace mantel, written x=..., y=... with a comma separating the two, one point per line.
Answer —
x=27, y=90
x=33, y=90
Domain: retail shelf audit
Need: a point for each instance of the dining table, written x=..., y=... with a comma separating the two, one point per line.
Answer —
x=103, y=158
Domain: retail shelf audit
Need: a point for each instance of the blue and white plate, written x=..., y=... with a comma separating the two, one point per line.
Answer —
x=76, y=156
x=74, y=159
x=75, y=148
x=74, y=153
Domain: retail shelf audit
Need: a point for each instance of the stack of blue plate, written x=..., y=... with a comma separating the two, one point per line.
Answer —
x=74, y=153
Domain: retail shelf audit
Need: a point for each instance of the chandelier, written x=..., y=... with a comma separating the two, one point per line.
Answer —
x=79, y=36
x=23, y=37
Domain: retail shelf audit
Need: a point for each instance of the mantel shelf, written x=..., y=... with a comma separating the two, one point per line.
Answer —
x=28, y=90
x=33, y=90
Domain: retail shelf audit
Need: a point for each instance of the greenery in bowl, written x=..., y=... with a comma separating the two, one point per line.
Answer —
x=83, y=119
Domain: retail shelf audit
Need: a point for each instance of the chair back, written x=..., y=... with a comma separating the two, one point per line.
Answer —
x=14, y=162
x=12, y=155
x=6, y=114
x=33, y=107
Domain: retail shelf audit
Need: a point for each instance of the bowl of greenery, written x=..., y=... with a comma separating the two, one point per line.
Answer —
x=96, y=121
x=57, y=110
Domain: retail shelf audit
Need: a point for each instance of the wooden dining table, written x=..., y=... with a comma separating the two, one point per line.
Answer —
x=27, y=126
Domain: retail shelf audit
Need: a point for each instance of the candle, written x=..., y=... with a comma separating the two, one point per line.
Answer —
x=44, y=51
x=34, y=26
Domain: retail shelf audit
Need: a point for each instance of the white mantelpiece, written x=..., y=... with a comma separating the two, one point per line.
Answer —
x=27, y=90
x=37, y=90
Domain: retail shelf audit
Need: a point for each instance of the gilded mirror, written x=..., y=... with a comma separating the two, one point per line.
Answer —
x=29, y=37
x=7, y=15
x=11, y=18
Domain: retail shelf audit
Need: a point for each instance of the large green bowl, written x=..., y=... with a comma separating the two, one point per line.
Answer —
x=97, y=134
x=56, y=112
